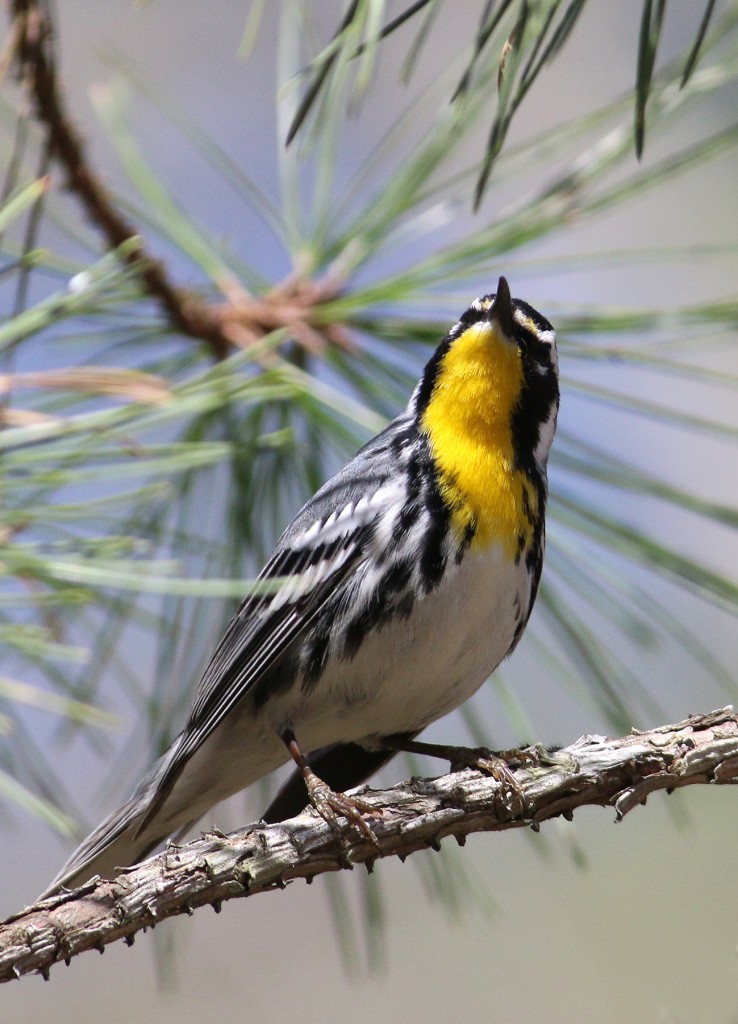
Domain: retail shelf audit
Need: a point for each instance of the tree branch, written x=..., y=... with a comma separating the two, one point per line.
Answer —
x=238, y=321
x=413, y=816
x=33, y=35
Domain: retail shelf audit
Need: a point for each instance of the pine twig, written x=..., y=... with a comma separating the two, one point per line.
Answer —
x=33, y=34
x=224, y=326
x=416, y=815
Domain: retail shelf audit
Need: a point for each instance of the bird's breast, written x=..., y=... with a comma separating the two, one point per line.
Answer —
x=412, y=670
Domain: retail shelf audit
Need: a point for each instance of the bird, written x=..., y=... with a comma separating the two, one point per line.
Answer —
x=394, y=593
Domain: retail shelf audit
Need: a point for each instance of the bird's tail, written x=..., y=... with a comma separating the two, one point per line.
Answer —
x=119, y=841
x=133, y=831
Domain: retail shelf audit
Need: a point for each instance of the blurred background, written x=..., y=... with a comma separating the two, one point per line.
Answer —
x=185, y=108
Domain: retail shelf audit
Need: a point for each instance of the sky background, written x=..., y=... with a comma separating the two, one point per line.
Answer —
x=590, y=922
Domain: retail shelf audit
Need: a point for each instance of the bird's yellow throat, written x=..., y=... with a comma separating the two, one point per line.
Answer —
x=468, y=421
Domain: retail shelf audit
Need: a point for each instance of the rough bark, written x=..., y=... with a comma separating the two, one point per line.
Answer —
x=418, y=814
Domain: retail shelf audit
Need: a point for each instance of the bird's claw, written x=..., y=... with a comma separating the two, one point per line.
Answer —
x=497, y=766
x=331, y=805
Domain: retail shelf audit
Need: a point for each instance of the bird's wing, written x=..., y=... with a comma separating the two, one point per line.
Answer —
x=268, y=622
x=260, y=632
x=323, y=547
x=264, y=626
x=318, y=553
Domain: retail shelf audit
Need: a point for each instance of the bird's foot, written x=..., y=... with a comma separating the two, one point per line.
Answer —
x=497, y=764
x=331, y=805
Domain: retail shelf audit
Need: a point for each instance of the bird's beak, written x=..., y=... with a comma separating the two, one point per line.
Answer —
x=502, y=311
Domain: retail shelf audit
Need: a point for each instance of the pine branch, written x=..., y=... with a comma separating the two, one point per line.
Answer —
x=224, y=326
x=33, y=44
x=413, y=816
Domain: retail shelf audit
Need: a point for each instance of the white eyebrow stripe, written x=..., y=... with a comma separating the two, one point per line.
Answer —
x=549, y=337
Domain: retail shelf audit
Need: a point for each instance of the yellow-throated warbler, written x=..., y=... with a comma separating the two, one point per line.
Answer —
x=408, y=577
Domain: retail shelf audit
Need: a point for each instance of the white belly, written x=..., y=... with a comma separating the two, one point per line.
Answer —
x=412, y=672
x=403, y=677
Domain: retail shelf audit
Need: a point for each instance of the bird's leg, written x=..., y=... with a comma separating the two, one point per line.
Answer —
x=496, y=764
x=326, y=801
x=462, y=757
